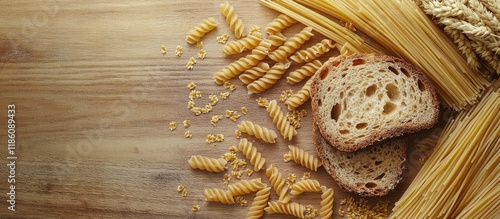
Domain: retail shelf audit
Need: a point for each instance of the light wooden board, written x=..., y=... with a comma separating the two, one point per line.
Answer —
x=94, y=96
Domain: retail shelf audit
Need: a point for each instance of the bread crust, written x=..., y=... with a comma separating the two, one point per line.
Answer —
x=331, y=67
x=322, y=148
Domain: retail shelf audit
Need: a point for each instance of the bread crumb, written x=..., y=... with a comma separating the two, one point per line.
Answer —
x=179, y=51
x=212, y=139
x=236, y=174
x=249, y=172
x=191, y=104
x=188, y=134
x=202, y=54
x=228, y=113
x=215, y=119
x=240, y=200
x=227, y=178
x=190, y=64
x=232, y=87
x=291, y=179
x=184, y=193
x=235, y=116
x=172, y=125
x=199, y=44
x=238, y=163
x=361, y=209
x=310, y=212
x=233, y=149
x=213, y=99
x=262, y=102
x=244, y=110
x=196, y=208
x=223, y=38
x=229, y=156
x=180, y=187
x=191, y=86
x=224, y=95
x=163, y=49
x=285, y=95
x=237, y=133
x=196, y=110
x=194, y=94
x=287, y=157
x=307, y=175
x=186, y=123
x=253, y=29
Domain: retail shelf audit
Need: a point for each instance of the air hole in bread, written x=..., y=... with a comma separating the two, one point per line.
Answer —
x=358, y=62
x=356, y=172
x=421, y=86
x=382, y=70
x=371, y=185
x=379, y=176
x=371, y=90
x=344, y=131
x=365, y=166
x=329, y=89
x=389, y=108
x=378, y=162
x=392, y=92
x=405, y=72
x=323, y=73
x=361, y=125
x=393, y=70
x=336, y=111
x=319, y=103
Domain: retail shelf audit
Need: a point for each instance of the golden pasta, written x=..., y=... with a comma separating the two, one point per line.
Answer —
x=291, y=45
x=278, y=183
x=313, y=52
x=269, y=79
x=304, y=158
x=218, y=195
x=252, y=154
x=305, y=185
x=258, y=131
x=259, y=203
x=293, y=208
x=243, y=44
x=246, y=187
x=278, y=24
x=304, y=71
x=206, y=163
x=254, y=73
x=235, y=23
x=200, y=30
x=281, y=122
x=326, y=210
x=300, y=97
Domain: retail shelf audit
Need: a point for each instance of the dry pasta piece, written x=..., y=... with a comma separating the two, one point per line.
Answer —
x=304, y=71
x=280, y=23
x=252, y=154
x=278, y=183
x=291, y=45
x=276, y=39
x=326, y=210
x=200, y=30
x=293, y=208
x=305, y=185
x=313, y=52
x=259, y=203
x=206, y=163
x=258, y=131
x=269, y=79
x=246, y=187
x=304, y=158
x=218, y=195
x=254, y=73
x=244, y=63
x=235, y=24
x=281, y=122
x=243, y=44
x=299, y=98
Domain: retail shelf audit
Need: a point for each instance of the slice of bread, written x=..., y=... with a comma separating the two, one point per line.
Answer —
x=369, y=172
x=361, y=99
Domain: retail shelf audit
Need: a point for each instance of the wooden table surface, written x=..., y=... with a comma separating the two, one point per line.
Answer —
x=94, y=97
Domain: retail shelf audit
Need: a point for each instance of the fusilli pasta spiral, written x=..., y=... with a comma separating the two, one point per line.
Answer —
x=304, y=71
x=291, y=45
x=259, y=203
x=244, y=63
x=278, y=183
x=276, y=39
x=218, y=195
x=243, y=44
x=252, y=154
x=258, y=131
x=269, y=79
x=299, y=98
x=281, y=122
x=304, y=158
x=206, y=163
x=313, y=52
x=293, y=208
x=235, y=24
x=326, y=210
x=246, y=187
x=280, y=23
x=305, y=185
x=254, y=73
x=200, y=30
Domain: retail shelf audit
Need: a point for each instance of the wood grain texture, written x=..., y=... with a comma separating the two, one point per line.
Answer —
x=94, y=96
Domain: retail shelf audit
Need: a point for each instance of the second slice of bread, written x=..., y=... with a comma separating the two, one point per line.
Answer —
x=362, y=99
x=369, y=172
